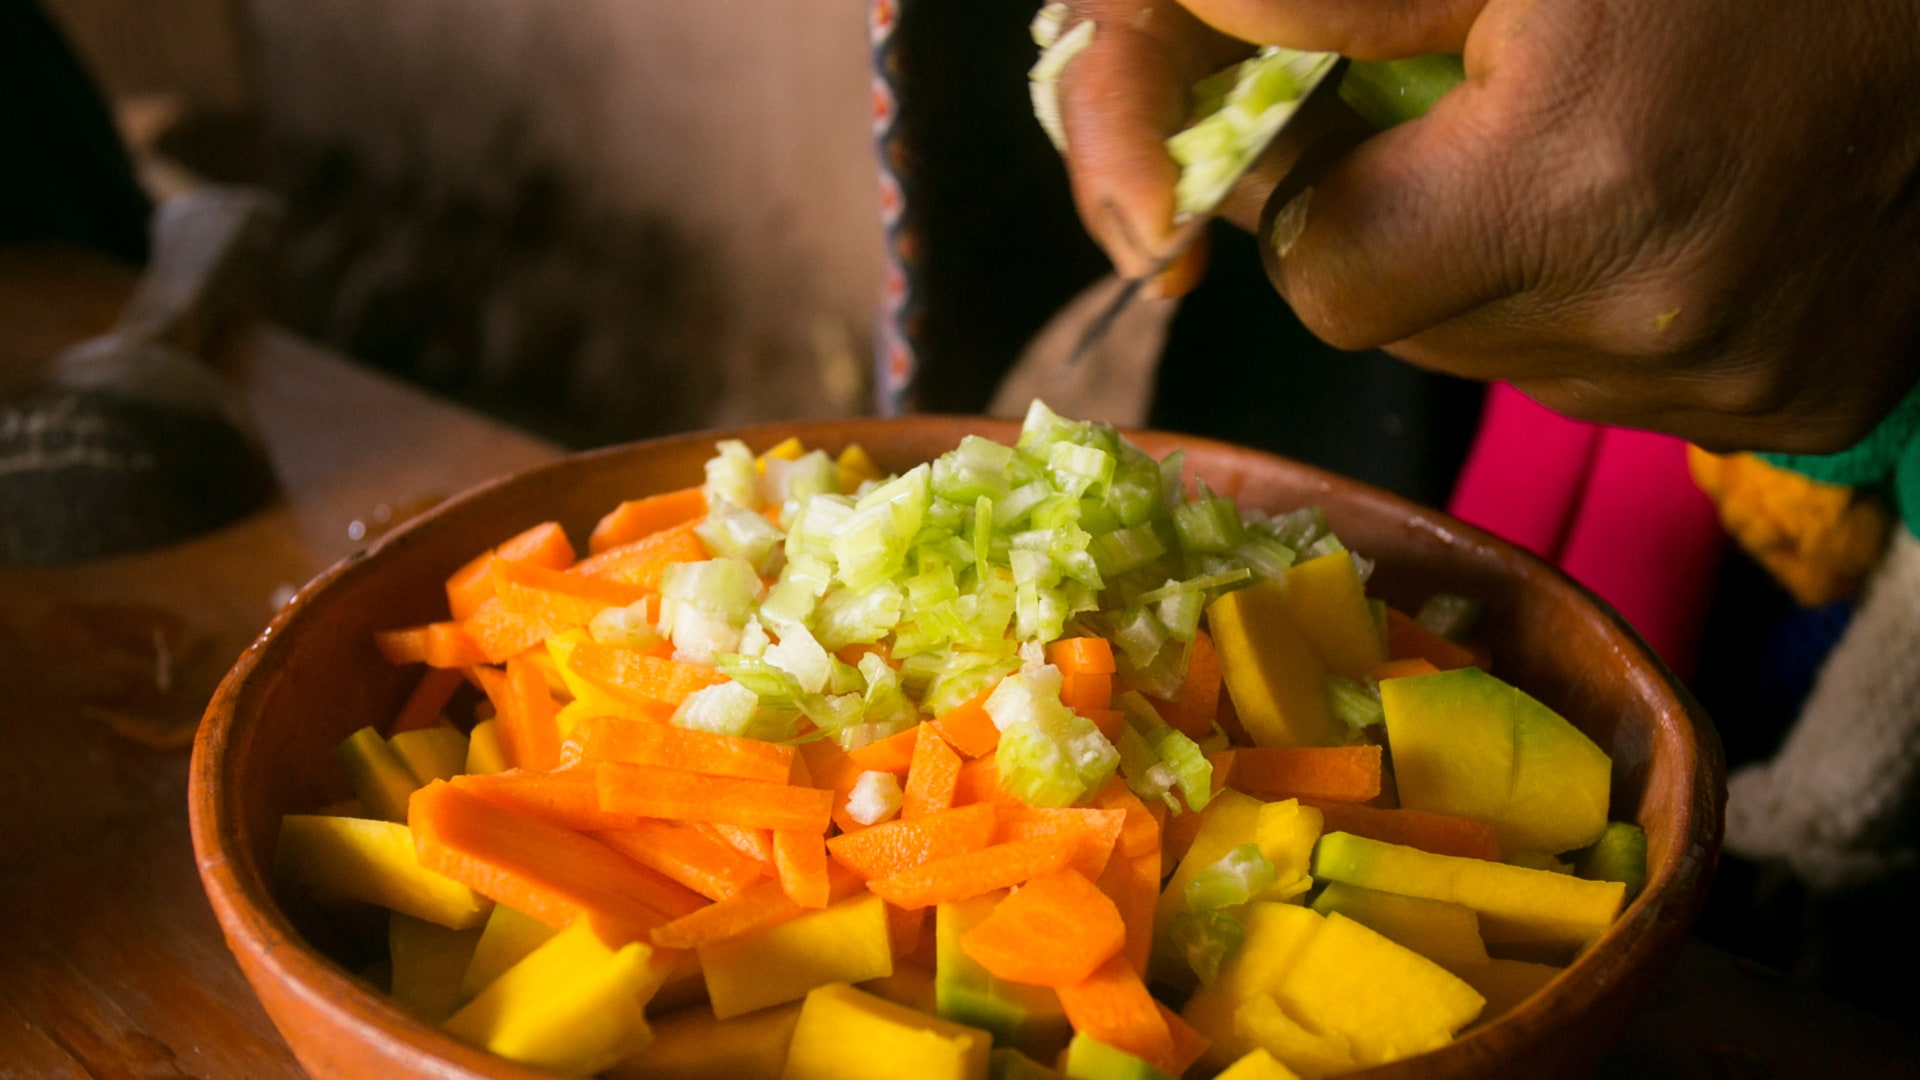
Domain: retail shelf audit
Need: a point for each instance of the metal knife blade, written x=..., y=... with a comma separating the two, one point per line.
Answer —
x=1197, y=221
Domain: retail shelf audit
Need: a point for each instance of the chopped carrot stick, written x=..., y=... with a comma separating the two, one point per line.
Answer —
x=1140, y=830
x=833, y=769
x=429, y=696
x=470, y=586
x=931, y=776
x=1082, y=656
x=755, y=844
x=760, y=905
x=525, y=711
x=1087, y=693
x=1442, y=834
x=1189, y=1046
x=1406, y=639
x=637, y=518
x=894, y=847
x=642, y=562
x=1133, y=883
x=685, y=796
x=1333, y=773
x=801, y=860
x=1112, y=1006
x=635, y=677
x=685, y=854
x=958, y=877
x=1093, y=832
x=1403, y=669
x=568, y=799
x=904, y=931
x=560, y=599
x=1052, y=931
x=892, y=754
x=647, y=742
x=500, y=633
x=552, y=874
x=440, y=645
x=979, y=781
x=968, y=728
x=1191, y=711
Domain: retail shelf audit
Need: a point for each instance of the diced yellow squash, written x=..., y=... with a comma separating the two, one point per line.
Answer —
x=427, y=961
x=1275, y=935
x=380, y=779
x=910, y=985
x=588, y=699
x=1277, y=681
x=787, y=449
x=848, y=1034
x=572, y=1006
x=1516, y=906
x=1230, y=820
x=689, y=1044
x=684, y=988
x=1090, y=1059
x=506, y=940
x=485, y=755
x=846, y=942
x=1006, y=1063
x=1257, y=1064
x=1467, y=743
x=1286, y=833
x=337, y=858
x=1027, y=1018
x=431, y=753
x=856, y=468
x=1445, y=933
x=1506, y=983
x=1325, y=598
x=1387, y=1000
x=1312, y=1055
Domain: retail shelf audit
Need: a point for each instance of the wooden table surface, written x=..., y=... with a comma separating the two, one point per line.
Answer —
x=111, y=964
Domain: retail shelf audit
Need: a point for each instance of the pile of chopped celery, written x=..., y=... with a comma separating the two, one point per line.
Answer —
x=961, y=568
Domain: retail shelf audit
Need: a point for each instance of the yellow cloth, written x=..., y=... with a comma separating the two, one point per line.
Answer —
x=1819, y=540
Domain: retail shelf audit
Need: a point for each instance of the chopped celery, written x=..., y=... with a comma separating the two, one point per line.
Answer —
x=1059, y=48
x=1231, y=880
x=875, y=797
x=1357, y=705
x=1450, y=615
x=1048, y=755
x=624, y=626
x=725, y=588
x=1216, y=149
x=733, y=476
x=800, y=656
x=1207, y=939
x=734, y=533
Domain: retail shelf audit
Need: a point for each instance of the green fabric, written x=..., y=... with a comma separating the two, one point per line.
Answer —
x=1888, y=458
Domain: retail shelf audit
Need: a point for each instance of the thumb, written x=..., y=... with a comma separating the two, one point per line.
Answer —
x=1362, y=29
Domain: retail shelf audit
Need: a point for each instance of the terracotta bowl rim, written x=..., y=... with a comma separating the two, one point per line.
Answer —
x=1647, y=932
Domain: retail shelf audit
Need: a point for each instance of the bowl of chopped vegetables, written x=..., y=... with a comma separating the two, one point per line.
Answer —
x=945, y=747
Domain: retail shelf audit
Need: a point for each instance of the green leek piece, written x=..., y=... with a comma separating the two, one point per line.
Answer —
x=1389, y=92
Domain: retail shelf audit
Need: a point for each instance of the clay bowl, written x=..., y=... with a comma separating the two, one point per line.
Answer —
x=313, y=677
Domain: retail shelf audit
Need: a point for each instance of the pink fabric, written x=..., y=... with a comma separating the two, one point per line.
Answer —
x=1616, y=509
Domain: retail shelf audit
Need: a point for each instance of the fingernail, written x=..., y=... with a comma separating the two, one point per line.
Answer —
x=1289, y=223
x=1118, y=232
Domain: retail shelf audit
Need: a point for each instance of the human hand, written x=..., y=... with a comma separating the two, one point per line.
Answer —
x=1694, y=216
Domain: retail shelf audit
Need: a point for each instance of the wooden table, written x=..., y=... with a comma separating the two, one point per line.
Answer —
x=111, y=964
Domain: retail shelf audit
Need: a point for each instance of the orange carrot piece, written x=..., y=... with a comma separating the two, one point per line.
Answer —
x=429, y=696
x=1052, y=931
x=892, y=754
x=1139, y=830
x=1087, y=693
x=979, y=782
x=642, y=562
x=755, y=844
x=1403, y=669
x=1189, y=1046
x=1133, y=883
x=637, y=518
x=470, y=586
x=894, y=847
x=1442, y=834
x=561, y=599
x=801, y=860
x=1082, y=656
x=648, y=742
x=637, y=678
x=500, y=633
x=524, y=709
x=685, y=796
x=760, y=905
x=958, y=877
x=686, y=855
x=440, y=645
x=968, y=728
x=905, y=931
x=832, y=769
x=1407, y=639
x=1192, y=710
x=850, y=654
x=567, y=799
x=1108, y=721
x=931, y=776
x=1093, y=832
x=552, y=874
x=1112, y=1005
x=1334, y=773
